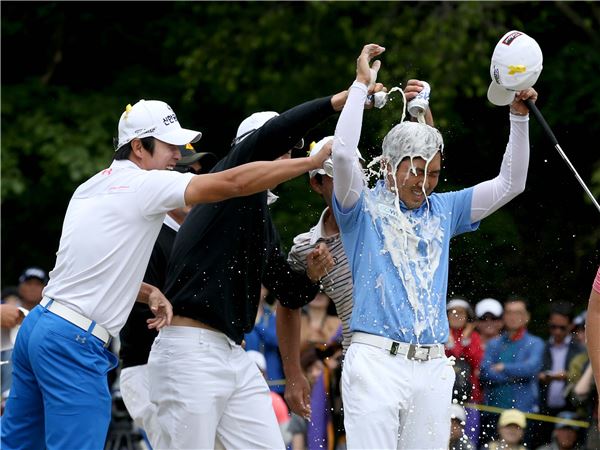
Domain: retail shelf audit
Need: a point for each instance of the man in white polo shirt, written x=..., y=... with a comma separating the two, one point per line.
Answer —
x=60, y=397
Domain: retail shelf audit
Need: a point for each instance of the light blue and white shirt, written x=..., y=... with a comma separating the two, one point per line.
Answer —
x=399, y=262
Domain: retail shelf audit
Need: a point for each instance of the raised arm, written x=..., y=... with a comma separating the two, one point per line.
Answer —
x=248, y=179
x=347, y=175
x=490, y=195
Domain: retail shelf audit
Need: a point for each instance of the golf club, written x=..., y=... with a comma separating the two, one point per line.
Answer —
x=538, y=115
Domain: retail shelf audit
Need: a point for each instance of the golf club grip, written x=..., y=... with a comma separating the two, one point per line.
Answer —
x=538, y=115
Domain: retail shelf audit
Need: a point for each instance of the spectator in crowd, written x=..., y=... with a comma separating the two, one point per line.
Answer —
x=565, y=434
x=15, y=304
x=577, y=367
x=263, y=338
x=31, y=285
x=489, y=319
x=464, y=342
x=579, y=328
x=10, y=295
x=10, y=318
x=318, y=324
x=559, y=351
x=465, y=345
x=511, y=364
x=320, y=328
x=511, y=429
x=458, y=439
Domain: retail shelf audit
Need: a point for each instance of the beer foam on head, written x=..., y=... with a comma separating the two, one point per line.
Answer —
x=413, y=140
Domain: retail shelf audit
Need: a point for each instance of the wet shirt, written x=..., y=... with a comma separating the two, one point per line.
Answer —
x=399, y=262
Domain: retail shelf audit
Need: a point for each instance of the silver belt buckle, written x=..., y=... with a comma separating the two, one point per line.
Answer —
x=418, y=353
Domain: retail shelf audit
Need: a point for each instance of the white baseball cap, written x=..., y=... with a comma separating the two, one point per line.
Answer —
x=488, y=305
x=316, y=147
x=252, y=123
x=153, y=118
x=516, y=65
x=327, y=169
x=459, y=303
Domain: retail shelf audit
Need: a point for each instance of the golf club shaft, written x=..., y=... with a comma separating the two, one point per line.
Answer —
x=538, y=115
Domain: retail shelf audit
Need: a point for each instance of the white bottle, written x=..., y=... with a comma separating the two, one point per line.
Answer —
x=418, y=105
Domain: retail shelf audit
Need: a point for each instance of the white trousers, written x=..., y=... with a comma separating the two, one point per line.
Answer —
x=391, y=402
x=135, y=390
x=206, y=386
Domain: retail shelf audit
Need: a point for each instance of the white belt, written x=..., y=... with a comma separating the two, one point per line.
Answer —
x=410, y=351
x=76, y=319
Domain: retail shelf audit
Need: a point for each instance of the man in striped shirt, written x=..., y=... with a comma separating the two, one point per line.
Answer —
x=323, y=241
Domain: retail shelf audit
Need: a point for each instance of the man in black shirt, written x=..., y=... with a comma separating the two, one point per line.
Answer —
x=200, y=377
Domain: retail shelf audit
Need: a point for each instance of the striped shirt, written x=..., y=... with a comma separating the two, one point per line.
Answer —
x=337, y=284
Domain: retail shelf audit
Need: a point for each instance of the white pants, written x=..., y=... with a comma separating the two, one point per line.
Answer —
x=391, y=402
x=135, y=387
x=205, y=387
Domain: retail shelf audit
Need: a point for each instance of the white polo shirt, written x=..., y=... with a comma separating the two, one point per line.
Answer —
x=110, y=227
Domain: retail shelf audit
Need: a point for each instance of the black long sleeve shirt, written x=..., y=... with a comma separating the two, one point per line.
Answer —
x=223, y=251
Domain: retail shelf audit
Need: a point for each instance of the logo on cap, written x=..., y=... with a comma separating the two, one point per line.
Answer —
x=516, y=69
x=496, y=75
x=511, y=37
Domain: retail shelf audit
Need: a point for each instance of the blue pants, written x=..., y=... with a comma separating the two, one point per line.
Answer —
x=59, y=397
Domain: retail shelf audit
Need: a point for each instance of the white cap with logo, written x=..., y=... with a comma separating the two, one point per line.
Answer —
x=153, y=118
x=327, y=169
x=516, y=65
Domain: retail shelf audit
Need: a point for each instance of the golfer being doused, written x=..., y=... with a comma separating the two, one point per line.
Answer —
x=397, y=380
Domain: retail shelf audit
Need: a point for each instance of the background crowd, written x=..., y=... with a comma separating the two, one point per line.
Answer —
x=513, y=389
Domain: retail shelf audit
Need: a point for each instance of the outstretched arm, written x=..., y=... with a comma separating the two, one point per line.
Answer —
x=347, y=175
x=490, y=195
x=248, y=179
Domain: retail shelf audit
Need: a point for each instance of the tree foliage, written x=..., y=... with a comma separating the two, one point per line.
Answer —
x=69, y=69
